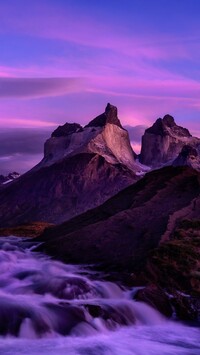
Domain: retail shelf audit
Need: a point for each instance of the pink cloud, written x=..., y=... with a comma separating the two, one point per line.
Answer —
x=25, y=123
x=175, y=90
x=38, y=87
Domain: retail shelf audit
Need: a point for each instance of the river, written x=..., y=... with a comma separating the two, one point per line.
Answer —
x=52, y=308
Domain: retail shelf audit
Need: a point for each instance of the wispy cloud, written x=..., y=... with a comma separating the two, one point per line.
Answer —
x=24, y=141
x=72, y=24
x=21, y=148
x=18, y=162
x=38, y=87
x=25, y=123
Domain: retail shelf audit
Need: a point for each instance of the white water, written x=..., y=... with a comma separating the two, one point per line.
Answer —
x=51, y=308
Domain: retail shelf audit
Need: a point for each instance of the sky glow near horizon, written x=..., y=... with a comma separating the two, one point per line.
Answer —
x=63, y=60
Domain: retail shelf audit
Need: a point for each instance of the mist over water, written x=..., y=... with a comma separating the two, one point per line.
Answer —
x=52, y=308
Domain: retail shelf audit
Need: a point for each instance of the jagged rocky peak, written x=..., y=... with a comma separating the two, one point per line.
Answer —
x=109, y=116
x=104, y=135
x=167, y=126
x=163, y=141
x=66, y=129
x=169, y=120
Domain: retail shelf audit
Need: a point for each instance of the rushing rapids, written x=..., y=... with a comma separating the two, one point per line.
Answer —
x=50, y=307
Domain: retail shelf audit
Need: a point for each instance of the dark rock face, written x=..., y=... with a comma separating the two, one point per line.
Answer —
x=163, y=142
x=174, y=266
x=168, y=120
x=175, y=263
x=109, y=116
x=187, y=307
x=187, y=151
x=66, y=129
x=62, y=190
x=156, y=298
x=190, y=156
x=122, y=231
x=27, y=230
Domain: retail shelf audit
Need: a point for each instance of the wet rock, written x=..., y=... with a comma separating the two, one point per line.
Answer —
x=120, y=314
x=156, y=298
x=65, y=317
x=186, y=307
x=13, y=315
x=174, y=266
x=63, y=288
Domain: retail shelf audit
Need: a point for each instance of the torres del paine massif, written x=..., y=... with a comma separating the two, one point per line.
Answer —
x=93, y=200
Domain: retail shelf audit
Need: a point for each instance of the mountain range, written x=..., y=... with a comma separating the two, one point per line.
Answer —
x=125, y=212
x=84, y=166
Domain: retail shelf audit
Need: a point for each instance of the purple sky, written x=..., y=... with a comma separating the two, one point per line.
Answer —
x=63, y=60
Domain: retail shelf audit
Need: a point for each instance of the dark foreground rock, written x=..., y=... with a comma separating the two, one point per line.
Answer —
x=122, y=231
x=175, y=267
x=27, y=230
x=156, y=298
x=149, y=231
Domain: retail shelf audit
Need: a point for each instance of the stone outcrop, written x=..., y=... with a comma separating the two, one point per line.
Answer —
x=190, y=156
x=81, y=168
x=162, y=143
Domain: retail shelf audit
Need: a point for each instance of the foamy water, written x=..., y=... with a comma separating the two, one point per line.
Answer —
x=49, y=307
